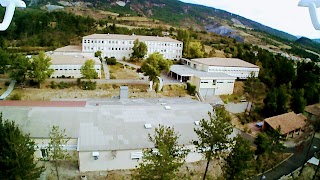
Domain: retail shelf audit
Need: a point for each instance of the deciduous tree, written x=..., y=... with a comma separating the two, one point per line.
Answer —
x=20, y=68
x=87, y=70
x=98, y=54
x=239, y=162
x=254, y=90
x=40, y=68
x=214, y=135
x=196, y=50
x=57, y=152
x=16, y=153
x=140, y=49
x=154, y=65
x=164, y=162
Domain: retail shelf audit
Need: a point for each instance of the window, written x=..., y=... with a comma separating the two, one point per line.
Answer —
x=102, y=41
x=204, y=82
x=44, y=153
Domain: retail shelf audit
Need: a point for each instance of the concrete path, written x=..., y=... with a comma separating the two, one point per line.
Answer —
x=294, y=161
x=9, y=90
x=129, y=64
x=106, y=70
x=236, y=108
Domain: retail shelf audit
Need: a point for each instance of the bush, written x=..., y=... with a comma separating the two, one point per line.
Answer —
x=15, y=96
x=7, y=83
x=191, y=89
x=63, y=85
x=88, y=85
x=112, y=76
x=111, y=61
x=139, y=70
x=53, y=85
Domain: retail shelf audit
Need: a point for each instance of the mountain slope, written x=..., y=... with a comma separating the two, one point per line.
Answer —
x=177, y=13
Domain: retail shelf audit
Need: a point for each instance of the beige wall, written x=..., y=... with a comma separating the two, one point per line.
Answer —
x=221, y=87
x=122, y=160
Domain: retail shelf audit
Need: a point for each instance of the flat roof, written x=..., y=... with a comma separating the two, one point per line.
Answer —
x=112, y=124
x=69, y=48
x=58, y=59
x=287, y=122
x=226, y=62
x=131, y=37
x=184, y=70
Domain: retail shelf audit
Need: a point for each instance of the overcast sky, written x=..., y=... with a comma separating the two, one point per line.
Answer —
x=284, y=15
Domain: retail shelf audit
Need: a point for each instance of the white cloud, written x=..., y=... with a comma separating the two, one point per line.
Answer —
x=284, y=15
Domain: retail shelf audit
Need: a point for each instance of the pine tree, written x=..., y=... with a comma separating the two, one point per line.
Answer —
x=16, y=153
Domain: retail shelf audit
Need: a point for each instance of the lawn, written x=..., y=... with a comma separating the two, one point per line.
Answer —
x=120, y=71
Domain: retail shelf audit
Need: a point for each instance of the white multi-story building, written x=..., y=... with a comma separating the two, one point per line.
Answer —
x=231, y=66
x=119, y=46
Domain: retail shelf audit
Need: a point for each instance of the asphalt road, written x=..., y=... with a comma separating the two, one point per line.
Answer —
x=294, y=161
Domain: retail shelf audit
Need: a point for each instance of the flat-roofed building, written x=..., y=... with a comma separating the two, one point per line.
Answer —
x=108, y=134
x=68, y=66
x=231, y=66
x=207, y=83
x=119, y=46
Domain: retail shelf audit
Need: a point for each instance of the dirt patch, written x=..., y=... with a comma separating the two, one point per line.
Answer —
x=120, y=71
x=192, y=171
x=102, y=91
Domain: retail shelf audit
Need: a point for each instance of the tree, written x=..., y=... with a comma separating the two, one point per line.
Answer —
x=4, y=59
x=16, y=153
x=40, y=65
x=166, y=161
x=56, y=151
x=184, y=36
x=238, y=163
x=87, y=70
x=154, y=65
x=213, y=135
x=98, y=54
x=254, y=90
x=196, y=50
x=268, y=143
x=20, y=68
x=140, y=49
x=298, y=102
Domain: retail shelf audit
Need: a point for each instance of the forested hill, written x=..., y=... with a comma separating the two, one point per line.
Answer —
x=176, y=12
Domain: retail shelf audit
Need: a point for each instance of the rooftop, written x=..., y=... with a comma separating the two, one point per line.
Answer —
x=112, y=124
x=287, y=122
x=69, y=48
x=131, y=37
x=57, y=59
x=184, y=70
x=228, y=62
x=313, y=109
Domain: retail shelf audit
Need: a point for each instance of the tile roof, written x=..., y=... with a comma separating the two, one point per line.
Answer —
x=131, y=37
x=313, y=109
x=287, y=122
x=228, y=62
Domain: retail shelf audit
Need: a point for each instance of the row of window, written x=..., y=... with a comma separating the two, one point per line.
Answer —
x=85, y=41
x=230, y=70
x=110, y=48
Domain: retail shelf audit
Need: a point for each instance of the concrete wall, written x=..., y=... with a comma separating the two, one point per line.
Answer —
x=239, y=72
x=72, y=71
x=121, y=160
x=221, y=86
x=123, y=48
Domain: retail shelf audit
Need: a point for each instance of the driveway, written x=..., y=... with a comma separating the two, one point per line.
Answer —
x=236, y=108
x=294, y=161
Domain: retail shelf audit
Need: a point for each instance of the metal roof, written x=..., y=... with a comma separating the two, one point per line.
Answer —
x=184, y=70
x=226, y=62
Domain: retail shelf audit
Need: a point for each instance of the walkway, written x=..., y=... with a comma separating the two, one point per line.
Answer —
x=294, y=161
x=129, y=64
x=9, y=90
x=106, y=70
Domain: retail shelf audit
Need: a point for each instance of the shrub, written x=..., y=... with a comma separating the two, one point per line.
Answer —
x=112, y=76
x=63, y=85
x=111, y=61
x=53, y=85
x=15, y=96
x=88, y=85
x=7, y=83
x=139, y=70
x=191, y=89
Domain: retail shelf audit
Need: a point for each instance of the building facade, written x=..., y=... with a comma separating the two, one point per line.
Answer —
x=231, y=66
x=119, y=46
x=68, y=66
